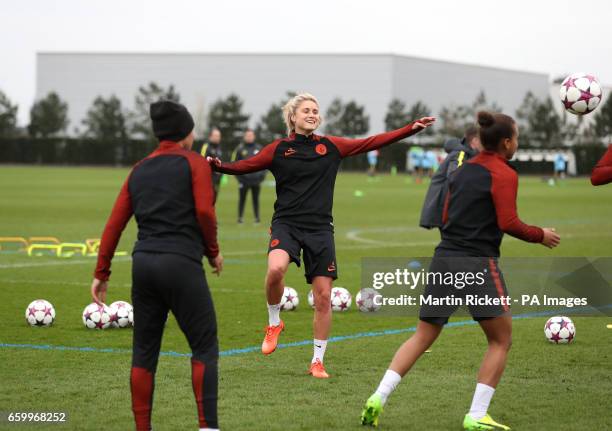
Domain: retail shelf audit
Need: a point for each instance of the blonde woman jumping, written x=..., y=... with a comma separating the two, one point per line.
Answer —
x=304, y=166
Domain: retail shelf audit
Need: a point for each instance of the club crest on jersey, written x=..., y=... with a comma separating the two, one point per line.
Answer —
x=290, y=152
x=321, y=149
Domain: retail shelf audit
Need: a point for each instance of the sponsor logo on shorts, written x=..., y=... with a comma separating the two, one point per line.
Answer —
x=290, y=152
x=321, y=149
x=274, y=243
x=331, y=267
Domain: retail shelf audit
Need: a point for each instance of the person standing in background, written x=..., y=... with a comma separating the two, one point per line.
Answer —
x=372, y=162
x=252, y=181
x=459, y=151
x=559, y=166
x=212, y=148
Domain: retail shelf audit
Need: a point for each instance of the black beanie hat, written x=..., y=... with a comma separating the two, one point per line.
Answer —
x=171, y=121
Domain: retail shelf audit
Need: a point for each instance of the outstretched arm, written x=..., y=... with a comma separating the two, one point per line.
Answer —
x=351, y=147
x=258, y=162
x=602, y=172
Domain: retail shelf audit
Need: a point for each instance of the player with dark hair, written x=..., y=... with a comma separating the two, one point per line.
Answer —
x=171, y=196
x=602, y=172
x=248, y=148
x=459, y=152
x=480, y=207
x=305, y=166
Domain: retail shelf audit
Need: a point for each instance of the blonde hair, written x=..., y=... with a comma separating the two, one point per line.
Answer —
x=291, y=107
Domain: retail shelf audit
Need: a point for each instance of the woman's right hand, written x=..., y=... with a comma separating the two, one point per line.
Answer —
x=550, y=239
x=214, y=162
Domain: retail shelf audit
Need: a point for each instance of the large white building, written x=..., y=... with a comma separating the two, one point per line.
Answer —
x=262, y=79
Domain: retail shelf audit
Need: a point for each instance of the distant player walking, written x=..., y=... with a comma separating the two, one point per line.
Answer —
x=305, y=167
x=480, y=207
x=171, y=195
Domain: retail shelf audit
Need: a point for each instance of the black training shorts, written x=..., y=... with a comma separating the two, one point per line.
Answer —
x=485, y=297
x=317, y=247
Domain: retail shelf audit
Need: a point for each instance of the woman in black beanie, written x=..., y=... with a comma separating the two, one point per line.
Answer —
x=171, y=195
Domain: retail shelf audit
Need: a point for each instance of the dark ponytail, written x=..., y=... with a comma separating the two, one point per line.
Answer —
x=494, y=128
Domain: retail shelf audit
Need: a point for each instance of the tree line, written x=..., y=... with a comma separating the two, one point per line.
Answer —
x=107, y=119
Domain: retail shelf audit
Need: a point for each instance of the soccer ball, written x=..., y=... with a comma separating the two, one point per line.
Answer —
x=311, y=299
x=340, y=299
x=559, y=330
x=365, y=300
x=96, y=316
x=40, y=313
x=580, y=93
x=121, y=314
x=290, y=299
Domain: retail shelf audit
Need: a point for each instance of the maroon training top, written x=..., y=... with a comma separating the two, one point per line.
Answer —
x=171, y=195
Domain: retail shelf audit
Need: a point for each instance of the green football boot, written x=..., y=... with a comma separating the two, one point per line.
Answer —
x=485, y=424
x=372, y=410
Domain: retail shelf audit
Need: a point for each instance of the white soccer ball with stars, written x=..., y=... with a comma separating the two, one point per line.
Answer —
x=40, y=313
x=560, y=330
x=580, y=93
x=340, y=299
x=121, y=314
x=290, y=299
x=96, y=316
x=365, y=300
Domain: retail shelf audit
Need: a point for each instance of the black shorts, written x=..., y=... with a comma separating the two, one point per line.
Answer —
x=317, y=247
x=488, y=285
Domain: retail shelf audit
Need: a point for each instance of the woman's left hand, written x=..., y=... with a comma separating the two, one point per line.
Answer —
x=423, y=123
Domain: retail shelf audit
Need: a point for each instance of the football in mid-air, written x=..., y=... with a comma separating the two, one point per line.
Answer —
x=121, y=314
x=40, y=313
x=96, y=316
x=365, y=300
x=340, y=299
x=580, y=93
x=560, y=330
x=290, y=299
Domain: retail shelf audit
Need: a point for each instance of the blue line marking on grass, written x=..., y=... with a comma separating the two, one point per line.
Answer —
x=251, y=349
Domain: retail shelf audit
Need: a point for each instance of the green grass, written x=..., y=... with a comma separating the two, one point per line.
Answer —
x=545, y=387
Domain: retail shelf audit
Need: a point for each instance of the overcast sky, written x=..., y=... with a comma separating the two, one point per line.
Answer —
x=554, y=37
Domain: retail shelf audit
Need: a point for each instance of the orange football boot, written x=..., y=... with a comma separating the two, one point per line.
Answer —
x=271, y=339
x=318, y=370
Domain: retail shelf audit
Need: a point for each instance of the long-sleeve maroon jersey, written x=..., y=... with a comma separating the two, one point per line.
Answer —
x=602, y=172
x=481, y=206
x=170, y=193
x=305, y=169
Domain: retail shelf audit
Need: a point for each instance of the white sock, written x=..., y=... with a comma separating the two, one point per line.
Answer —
x=481, y=401
x=388, y=384
x=319, y=350
x=209, y=429
x=274, y=314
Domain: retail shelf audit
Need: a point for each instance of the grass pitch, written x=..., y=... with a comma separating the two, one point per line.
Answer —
x=85, y=373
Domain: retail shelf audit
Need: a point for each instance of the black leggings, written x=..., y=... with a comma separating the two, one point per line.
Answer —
x=163, y=282
x=242, y=191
